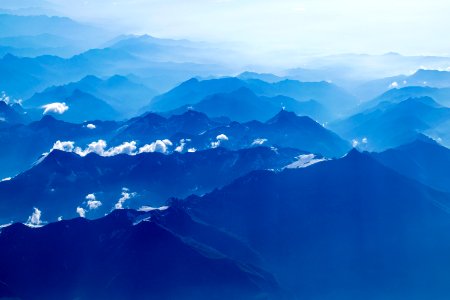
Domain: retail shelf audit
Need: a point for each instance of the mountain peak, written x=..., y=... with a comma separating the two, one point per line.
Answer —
x=284, y=114
x=47, y=120
x=91, y=79
x=191, y=113
x=284, y=117
x=355, y=155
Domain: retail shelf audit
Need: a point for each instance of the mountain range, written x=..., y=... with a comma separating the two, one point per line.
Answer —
x=119, y=92
x=143, y=180
x=285, y=129
x=193, y=91
x=391, y=124
x=421, y=78
x=253, y=107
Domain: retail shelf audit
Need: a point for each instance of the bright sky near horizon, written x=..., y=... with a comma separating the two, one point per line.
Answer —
x=315, y=26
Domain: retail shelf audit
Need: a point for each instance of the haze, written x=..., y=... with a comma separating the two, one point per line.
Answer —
x=307, y=27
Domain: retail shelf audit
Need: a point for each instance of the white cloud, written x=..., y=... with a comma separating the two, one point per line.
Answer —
x=125, y=196
x=57, y=108
x=35, y=219
x=222, y=137
x=363, y=141
x=91, y=126
x=100, y=147
x=158, y=146
x=259, y=142
x=97, y=147
x=393, y=85
x=180, y=147
x=81, y=212
x=6, y=179
x=5, y=98
x=219, y=139
x=92, y=202
x=192, y=150
x=60, y=219
x=63, y=146
x=126, y=148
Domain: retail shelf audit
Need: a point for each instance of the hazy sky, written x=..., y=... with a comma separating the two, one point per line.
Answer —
x=309, y=26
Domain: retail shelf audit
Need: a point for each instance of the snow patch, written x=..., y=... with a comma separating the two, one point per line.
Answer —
x=304, y=161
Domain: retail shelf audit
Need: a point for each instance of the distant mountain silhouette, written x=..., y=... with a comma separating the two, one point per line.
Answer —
x=28, y=76
x=41, y=44
x=392, y=124
x=421, y=79
x=251, y=107
x=441, y=95
x=193, y=91
x=83, y=107
x=267, y=77
x=35, y=35
x=123, y=95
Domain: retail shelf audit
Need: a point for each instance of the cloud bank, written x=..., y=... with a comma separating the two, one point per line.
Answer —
x=100, y=147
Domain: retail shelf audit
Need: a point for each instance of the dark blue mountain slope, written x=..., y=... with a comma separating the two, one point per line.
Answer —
x=117, y=257
x=346, y=229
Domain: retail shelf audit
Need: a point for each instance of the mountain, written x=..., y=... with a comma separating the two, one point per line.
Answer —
x=285, y=129
x=252, y=107
x=267, y=77
x=122, y=255
x=28, y=7
x=193, y=91
x=423, y=160
x=124, y=95
x=35, y=45
x=391, y=124
x=150, y=127
x=22, y=145
x=346, y=68
x=146, y=179
x=441, y=95
x=179, y=51
x=28, y=76
x=11, y=114
x=332, y=97
x=349, y=228
x=82, y=107
x=25, y=33
x=421, y=78
x=14, y=25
